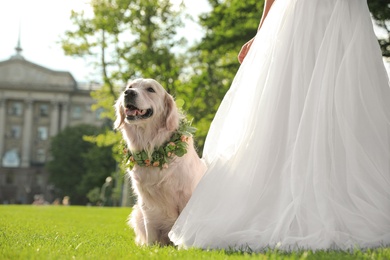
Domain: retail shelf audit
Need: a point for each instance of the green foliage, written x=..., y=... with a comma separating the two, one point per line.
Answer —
x=94, y=195
x=380, y=10
x=57, y=232
x=160, y=157
x=78, y=166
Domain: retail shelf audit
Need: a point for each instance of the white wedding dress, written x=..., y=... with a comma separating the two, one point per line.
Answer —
x=299, y=151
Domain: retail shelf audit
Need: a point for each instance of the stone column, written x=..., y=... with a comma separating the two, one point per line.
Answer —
x=27, y=134
x=64, y=115
x=54, y=119
x=3, y=109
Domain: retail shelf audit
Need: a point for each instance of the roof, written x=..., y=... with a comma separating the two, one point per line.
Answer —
x=20, y=73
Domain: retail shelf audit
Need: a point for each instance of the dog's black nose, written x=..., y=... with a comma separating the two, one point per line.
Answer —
x=130, y=93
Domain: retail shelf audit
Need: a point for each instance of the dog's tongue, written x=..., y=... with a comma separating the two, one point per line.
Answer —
x=135, y=112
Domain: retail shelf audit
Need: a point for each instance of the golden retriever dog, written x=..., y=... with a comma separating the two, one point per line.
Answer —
x=148, y=119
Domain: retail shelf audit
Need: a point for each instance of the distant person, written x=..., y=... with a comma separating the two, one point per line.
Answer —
x=39, y=200
x=66, y=201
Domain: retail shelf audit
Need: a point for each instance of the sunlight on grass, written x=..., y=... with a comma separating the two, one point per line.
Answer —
x=56, y=232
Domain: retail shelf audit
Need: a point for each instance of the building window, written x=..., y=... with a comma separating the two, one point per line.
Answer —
x=42, y=133
x=44, y=110
x=77, y=112
x=16, y=109
x=41, y=155
x=11, y=158
x=16, y=131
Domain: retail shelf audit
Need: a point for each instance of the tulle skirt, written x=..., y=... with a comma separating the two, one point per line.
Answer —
x=299, y=151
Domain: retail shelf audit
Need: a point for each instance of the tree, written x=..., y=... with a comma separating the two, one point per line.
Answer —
x=131, y=38
x=78, y=166
x=380, y=10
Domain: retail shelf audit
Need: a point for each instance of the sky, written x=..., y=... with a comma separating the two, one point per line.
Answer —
x=43, y=22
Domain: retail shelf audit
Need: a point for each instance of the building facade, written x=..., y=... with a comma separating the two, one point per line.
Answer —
x=36, y=103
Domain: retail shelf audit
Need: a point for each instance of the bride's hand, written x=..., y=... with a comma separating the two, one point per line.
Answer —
x=244, y=50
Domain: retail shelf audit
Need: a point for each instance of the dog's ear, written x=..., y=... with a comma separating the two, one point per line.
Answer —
x=172, y=114
x=120, y=114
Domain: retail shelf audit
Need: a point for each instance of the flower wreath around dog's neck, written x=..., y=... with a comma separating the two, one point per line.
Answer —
x=161, y=156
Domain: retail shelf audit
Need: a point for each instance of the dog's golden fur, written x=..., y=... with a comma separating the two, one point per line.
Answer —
x=147, y=117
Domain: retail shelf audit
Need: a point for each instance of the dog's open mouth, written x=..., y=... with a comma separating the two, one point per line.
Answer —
x=134, y=113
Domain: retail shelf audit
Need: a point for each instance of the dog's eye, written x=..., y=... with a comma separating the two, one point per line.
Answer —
x=151, y=90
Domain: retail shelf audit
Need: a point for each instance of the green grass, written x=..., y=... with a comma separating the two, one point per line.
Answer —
x=55, y=232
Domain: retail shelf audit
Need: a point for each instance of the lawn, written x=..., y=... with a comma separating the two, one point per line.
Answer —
x=57, y=232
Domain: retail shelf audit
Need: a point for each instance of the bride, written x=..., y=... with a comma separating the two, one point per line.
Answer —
x=298, y=153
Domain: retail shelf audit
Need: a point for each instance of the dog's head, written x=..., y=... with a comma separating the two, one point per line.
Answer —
x=145, y=103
